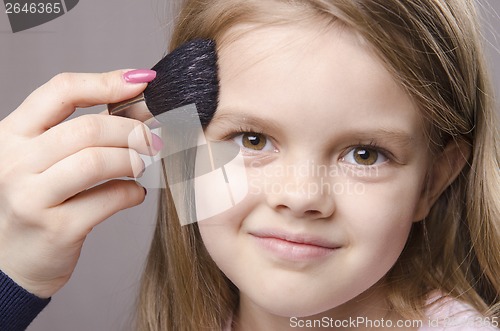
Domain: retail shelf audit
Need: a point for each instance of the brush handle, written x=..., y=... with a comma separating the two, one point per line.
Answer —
x=134, y=108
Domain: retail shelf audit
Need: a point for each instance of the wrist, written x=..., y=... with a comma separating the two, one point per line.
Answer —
x=18, y=307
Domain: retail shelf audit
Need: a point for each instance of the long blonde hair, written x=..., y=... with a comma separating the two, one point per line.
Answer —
x=433, y=48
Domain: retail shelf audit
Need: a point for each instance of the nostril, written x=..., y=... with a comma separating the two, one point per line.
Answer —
x=301, y=206
x=312, y=213
x=303, y=213
x=281, y=208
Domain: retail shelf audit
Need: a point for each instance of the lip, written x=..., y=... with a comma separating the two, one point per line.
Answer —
x=293, y=247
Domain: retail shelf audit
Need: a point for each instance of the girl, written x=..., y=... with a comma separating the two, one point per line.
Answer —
x=394, y=224
x=393, y=98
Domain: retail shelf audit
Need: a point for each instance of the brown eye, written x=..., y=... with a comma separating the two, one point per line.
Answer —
x=365, y=156
x=255, y=141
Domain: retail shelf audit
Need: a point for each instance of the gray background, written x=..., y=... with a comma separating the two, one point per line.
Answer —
x=101, y=36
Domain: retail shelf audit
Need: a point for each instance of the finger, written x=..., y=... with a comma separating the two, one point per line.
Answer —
x=87, y=131
x=85, y=169
x=57, y=99
x=89, y=208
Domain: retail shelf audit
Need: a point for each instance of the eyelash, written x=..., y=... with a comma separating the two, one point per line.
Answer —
x=249, y=130
x=376, y=147
x=241, y=130
x=371, y=145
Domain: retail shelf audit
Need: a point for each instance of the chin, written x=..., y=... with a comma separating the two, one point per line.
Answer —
x=296, y=310
x=296, y=306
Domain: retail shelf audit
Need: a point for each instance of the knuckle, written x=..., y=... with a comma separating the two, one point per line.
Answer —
x=22, y=211
x=88, y=130
x=110, y=84
x=12, y=211
x=92, y=163
x=63, y=81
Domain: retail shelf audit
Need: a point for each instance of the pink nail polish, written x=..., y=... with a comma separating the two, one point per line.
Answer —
x=157, y=142
x=139, y=76
x=143, y=170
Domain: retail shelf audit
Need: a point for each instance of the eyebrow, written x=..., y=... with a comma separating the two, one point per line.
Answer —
x=246, y=119
x=396, y=137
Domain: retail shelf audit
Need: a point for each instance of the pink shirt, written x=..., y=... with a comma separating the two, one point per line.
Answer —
x=453, y=315
x=448, y=315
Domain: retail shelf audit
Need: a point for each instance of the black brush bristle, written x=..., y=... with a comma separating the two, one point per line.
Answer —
x=187, y=75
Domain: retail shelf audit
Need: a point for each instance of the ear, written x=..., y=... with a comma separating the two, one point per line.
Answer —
x=444, y=169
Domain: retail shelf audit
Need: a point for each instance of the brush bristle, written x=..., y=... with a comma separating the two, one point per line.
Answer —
x=187, y=75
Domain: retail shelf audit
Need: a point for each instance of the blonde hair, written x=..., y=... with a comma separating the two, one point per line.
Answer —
x=433, y=48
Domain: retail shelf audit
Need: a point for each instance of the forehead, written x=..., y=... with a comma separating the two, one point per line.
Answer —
x=309, y=75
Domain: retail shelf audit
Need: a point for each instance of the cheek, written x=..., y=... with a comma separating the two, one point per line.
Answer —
x=217, y=192
x=220, y=232
x=218, y=235
x=379, y=220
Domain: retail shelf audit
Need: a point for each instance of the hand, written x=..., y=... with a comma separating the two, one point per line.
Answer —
x=52, y=192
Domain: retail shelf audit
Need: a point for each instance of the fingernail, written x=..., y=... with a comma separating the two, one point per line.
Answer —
x=157, y=142
x=139, y=76
x=143, y=170
x=145, y=191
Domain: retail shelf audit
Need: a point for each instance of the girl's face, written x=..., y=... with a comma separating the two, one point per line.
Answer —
x=336, y=160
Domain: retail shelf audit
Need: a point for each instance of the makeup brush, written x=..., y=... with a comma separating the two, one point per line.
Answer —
x=188, y=75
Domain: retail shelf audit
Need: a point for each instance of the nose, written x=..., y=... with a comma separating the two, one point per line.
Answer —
x=301, y=192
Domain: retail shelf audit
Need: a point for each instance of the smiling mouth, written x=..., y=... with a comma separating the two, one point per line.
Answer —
x=294, y=247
